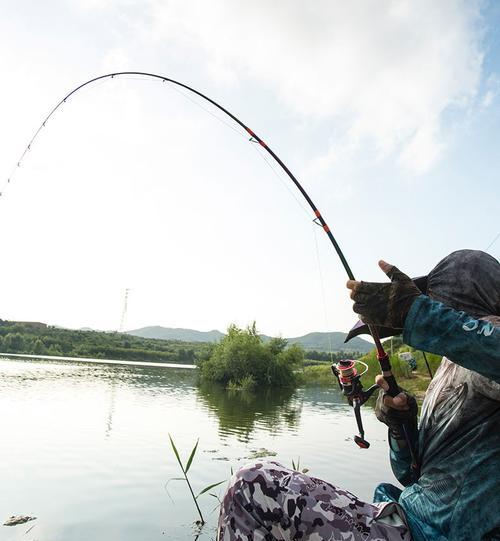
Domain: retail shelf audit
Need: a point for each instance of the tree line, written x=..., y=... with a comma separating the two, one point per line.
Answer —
x=326, y=356
x=36, y=339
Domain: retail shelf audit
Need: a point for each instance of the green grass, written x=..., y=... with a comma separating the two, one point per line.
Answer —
x=320, y=374
x=415, y=382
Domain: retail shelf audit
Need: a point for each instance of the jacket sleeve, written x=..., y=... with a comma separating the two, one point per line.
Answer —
x=472, y=343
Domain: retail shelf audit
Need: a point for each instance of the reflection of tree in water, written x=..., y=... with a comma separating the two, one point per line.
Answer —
x=241, y=412
x=111, y=408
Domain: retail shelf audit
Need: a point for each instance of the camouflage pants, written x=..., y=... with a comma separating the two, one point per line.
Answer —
x=267, y=502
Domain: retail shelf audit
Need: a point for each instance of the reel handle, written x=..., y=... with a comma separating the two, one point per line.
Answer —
x=359, y=440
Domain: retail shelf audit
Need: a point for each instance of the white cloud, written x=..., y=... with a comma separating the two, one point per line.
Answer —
x=492, y=86
x=387, y=70
x=115, y=60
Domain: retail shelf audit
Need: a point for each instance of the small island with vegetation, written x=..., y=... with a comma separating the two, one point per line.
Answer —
x=242, y=360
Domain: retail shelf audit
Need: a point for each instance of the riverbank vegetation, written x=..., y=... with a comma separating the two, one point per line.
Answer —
x=414, y=381
x=40, y=339
x=242, y=360
x=314, y=357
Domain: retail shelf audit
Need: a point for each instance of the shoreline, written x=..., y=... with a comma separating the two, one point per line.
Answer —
x=95, y=361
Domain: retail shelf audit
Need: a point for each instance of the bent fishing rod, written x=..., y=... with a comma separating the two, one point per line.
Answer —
x=348, y=377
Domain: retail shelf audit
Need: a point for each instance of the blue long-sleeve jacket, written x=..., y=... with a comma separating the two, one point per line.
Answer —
x=457, y=494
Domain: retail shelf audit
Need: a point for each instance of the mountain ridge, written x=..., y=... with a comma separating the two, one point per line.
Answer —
x=320, y=341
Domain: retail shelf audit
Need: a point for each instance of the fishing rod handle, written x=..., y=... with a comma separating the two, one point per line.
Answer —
x=393, y=389
x=385, y=365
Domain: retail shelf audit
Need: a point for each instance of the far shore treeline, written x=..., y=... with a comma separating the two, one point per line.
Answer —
x=40, y=339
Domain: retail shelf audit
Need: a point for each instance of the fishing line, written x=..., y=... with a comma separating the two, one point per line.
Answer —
x=282, y=181
x=323, y=296
x=492, y=242
x=257, y=148
x=239, y=133
x=318, y=258
x=60, y=109
x=319, y=218
x=146, y=80
x=185, y=96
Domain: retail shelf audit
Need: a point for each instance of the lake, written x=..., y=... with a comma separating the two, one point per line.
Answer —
x=85, y=447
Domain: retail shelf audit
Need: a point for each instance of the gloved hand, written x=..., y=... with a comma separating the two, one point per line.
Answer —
x=384, y=304
x=394, y=412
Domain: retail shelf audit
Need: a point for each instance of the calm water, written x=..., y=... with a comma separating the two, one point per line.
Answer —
x=85, y=447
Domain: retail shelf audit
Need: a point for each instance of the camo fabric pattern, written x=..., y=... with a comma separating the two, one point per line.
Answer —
x=267, y=502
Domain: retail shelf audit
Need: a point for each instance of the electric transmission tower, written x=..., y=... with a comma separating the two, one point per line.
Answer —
x=124, y=312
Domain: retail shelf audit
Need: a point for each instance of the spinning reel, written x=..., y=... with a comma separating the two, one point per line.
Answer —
x=350, y=384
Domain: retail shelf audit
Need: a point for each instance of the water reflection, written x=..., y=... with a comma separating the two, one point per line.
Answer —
x=85, y=447
x=240, y=412
x=111, y=409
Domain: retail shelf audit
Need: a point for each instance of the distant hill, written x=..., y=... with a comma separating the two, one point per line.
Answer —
x=185, y=335
x=319, y=341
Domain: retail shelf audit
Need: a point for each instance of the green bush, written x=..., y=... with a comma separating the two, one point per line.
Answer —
x=242, y=360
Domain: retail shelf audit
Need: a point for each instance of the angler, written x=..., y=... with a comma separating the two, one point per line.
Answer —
x=453, y=494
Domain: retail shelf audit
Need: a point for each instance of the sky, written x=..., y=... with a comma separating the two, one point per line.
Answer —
x=387, y=112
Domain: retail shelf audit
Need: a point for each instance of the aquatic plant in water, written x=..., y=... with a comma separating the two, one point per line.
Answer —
x=185, y=469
